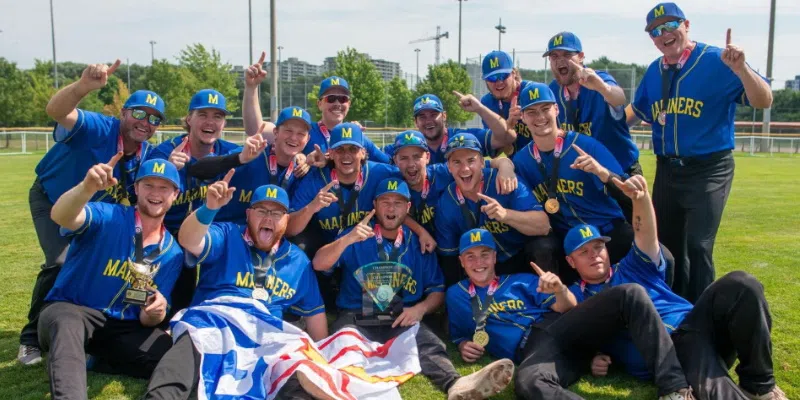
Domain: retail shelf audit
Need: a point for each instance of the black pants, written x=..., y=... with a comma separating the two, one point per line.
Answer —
x=177, y=375
x=689, y=200
x=54, y=246
x=622, y=237
x=433, y=358
x=558, y=355
x=68, y=332
x=730, y=318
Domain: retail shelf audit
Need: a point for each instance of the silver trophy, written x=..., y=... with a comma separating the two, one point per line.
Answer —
x=141, y=276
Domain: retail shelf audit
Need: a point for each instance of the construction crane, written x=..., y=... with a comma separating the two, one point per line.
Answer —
x=437, y=38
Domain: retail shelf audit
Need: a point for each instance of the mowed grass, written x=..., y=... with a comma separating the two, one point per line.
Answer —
x=759, y=234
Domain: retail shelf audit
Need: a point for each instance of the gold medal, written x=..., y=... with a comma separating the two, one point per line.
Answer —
x=551, y=205
x=481, y=338
x=662, y=118
x=125, y=202
x=259, y=293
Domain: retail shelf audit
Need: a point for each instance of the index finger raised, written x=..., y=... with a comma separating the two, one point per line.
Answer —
x=620, y=184
x=459, y=94
x=514, y=102
x=228, y=176
x=368, y=217
x=578, y=149
x=485, y=197
x=262, y=58
x=118, y=62
x=113, y=161
x=728, y=37
x=536, y=269
x=329, y=186
x=182, y=144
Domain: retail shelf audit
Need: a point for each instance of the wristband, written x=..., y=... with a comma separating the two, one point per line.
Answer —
x=205, y=215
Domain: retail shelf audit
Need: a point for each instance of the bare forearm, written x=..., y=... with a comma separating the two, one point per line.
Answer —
x=432, y=302
x=530, y=223
x=66, y=101
x=644, y=227
x=756, y=90
x=502, y=164
x=630, y=116
x=613, y=95
x=317, y=326
x=68, y=210
x=502, y=134
x=329, y=254
x=415, y=227
x=565, y=300
x=192, y=234
x=251, y=110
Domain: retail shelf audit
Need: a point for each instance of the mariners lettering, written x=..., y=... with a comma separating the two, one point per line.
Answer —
x=335, y=223
x=583, y=127
x=374, y=280
x=191, y=195
x=679, y=105
x=495, y=227
x=508, y=305
x=427, y=214
x=522, y=129
x=570, y=187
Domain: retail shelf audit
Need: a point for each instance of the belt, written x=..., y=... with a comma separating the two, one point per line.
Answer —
x=674, y=161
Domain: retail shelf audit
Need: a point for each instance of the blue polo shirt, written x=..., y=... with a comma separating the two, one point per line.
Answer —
x=515, y=306
x=96, y=272
x=424, y=210
x=93, y=140
x=598, y=119
x=315, y=136
x=500, y=108
x=226, y=269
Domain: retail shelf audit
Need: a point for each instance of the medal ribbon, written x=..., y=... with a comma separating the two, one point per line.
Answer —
x=465, y=212
x=552, y=178
x=346, y=207
x=398, y=241
x=420, y=208
x=122, y=173
x=606, y=284
x=138, y=242
x=668, y=76
x=571, y=107
x=516, y=93
x=272, y=164
x=325, y=133
x=480, y=314
x=260, y=269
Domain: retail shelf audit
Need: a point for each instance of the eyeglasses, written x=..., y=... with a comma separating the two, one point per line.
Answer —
x=139, y=114
x=668, y=26
x=497, y=77
x=333, y=98
x=271, y=214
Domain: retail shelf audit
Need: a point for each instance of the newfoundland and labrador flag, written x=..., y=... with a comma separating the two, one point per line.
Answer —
x=246, y=353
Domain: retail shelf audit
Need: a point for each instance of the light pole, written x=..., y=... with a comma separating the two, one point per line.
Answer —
x=53, y=34
x=250, y=26
x=152, y=52
x=273, y=43
x=500, y=31
x=459, y=30
x=768, y=111
x=128, y=63
x=417, y=51
x=280, y=93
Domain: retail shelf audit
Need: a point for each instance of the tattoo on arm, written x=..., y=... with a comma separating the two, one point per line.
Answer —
x=638, y=224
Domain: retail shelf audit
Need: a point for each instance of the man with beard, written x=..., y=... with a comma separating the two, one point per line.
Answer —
x=252, y=260
x=504, y=83
x=689, y=98
x=83, y=139
x=521, y=228
x=431, y=119
x=389, y=240
x=333, y=102
x=731, y=318
x=92, y=307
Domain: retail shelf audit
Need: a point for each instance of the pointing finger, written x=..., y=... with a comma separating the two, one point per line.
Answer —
x=536, y=269
x=228, y=176
x=118, y=62
x=459, y=94
x=182, y=144
x=575, y=65
x=579, y=150
x=329, y=186
x=261, y=128
x=111, y=163
x=262, y=58
x=485, y=198
x=368, y=217
x=514, y=102
x=728, y=37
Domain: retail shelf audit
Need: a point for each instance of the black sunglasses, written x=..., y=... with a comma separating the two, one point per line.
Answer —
x=333, y=98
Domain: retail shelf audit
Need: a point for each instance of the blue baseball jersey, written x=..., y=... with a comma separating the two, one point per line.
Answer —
x=581, y=195
x=426, y=277
x=598, y=119
x=246, y=179
x=93, y=140
x=424, y=210
x=701, y=107
x=451, y=224
x=515, y=306
x=330, y=218
x=500, y=108
x=437, y=154
x=96, y=272
x=226, y=269
x=192, y=191
x=315, y=136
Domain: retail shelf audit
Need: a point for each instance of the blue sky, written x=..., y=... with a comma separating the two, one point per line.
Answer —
x=95, y=31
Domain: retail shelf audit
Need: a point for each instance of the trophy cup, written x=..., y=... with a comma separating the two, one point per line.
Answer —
x=381, y=282
x=141, y=276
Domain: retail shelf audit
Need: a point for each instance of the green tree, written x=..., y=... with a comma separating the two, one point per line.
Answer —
x=174, y=84
x=401, y=103
x=442, y=79
x=367, y=101
x=15, y=95
x=210, y=73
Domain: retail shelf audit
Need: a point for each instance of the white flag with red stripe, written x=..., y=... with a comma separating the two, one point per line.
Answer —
x=246, y=353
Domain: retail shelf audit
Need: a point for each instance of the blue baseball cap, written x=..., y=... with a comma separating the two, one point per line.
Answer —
x=410, y=139
x=209, y=98
x=428, y=102
x=463, y=141
x=497, y=62
x=332, y=82
x=474, y=238
x=563, y=41
x=146, y=98
x=159, y=168
x=347, y=133
x=579, y=235
x=294, y=113
x=663, y=10
x=271, y=193
x=393, y=185
x=535, y=93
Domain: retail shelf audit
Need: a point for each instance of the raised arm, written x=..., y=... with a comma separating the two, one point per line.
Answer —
x=63, y=106
x=503, y=134
x=211, y=166
x=612, y=94
x=756, y=89
x=644, y=216
x=251, y=107
x=68, y=211
x=192, y=234
x=328, y=255
x=550, y=283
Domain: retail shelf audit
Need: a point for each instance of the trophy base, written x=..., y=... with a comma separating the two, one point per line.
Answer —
x=375, y=320
x=135, y=296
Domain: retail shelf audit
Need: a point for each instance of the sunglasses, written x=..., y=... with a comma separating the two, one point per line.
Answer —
x=497, y=77
x=459, y=144
x=413, y=141
x=333, y=98
x=668, y=26
x=139, y=114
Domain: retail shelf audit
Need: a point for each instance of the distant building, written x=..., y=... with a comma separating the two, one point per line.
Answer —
x=794, y=84
x=388, y=69
x=293, y=68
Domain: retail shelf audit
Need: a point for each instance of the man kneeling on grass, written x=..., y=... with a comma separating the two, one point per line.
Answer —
x=730, y=318
x=391, y=242
x=509, y=319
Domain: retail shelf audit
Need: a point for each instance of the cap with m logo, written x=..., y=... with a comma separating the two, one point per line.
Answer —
x=497, y=62
x=566, y=41
x=393, y=185
x=535, y=93
x=347, y=133
x=146, y=98
x=297, y=113
x=474, y=238
x=333, y=82
x=580, y=235
x=209, y=98
x=158, y=168
x=428, y=102
x=410, y=138
x=662, y=11
x=273, y=193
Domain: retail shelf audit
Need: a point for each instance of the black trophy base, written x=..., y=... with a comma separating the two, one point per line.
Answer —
x=375, y=320
x=135, y=296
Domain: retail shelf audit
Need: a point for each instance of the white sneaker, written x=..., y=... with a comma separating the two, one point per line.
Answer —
x=683, y=394
x=775, y=394
x=29, y=355
x=488, y=381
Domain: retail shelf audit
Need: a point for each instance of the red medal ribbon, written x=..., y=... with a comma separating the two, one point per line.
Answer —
x=610, y=274
x=492, y=287
x=359, y=180
x=325, y=133
x=556, y=152
x=137, y=218
x=461, y=196
x=398, y=241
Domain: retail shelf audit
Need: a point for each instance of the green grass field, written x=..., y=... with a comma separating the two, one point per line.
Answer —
x=759, y=234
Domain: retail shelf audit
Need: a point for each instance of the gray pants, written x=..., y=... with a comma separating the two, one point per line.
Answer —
x=69, y=331
x=54, y=246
